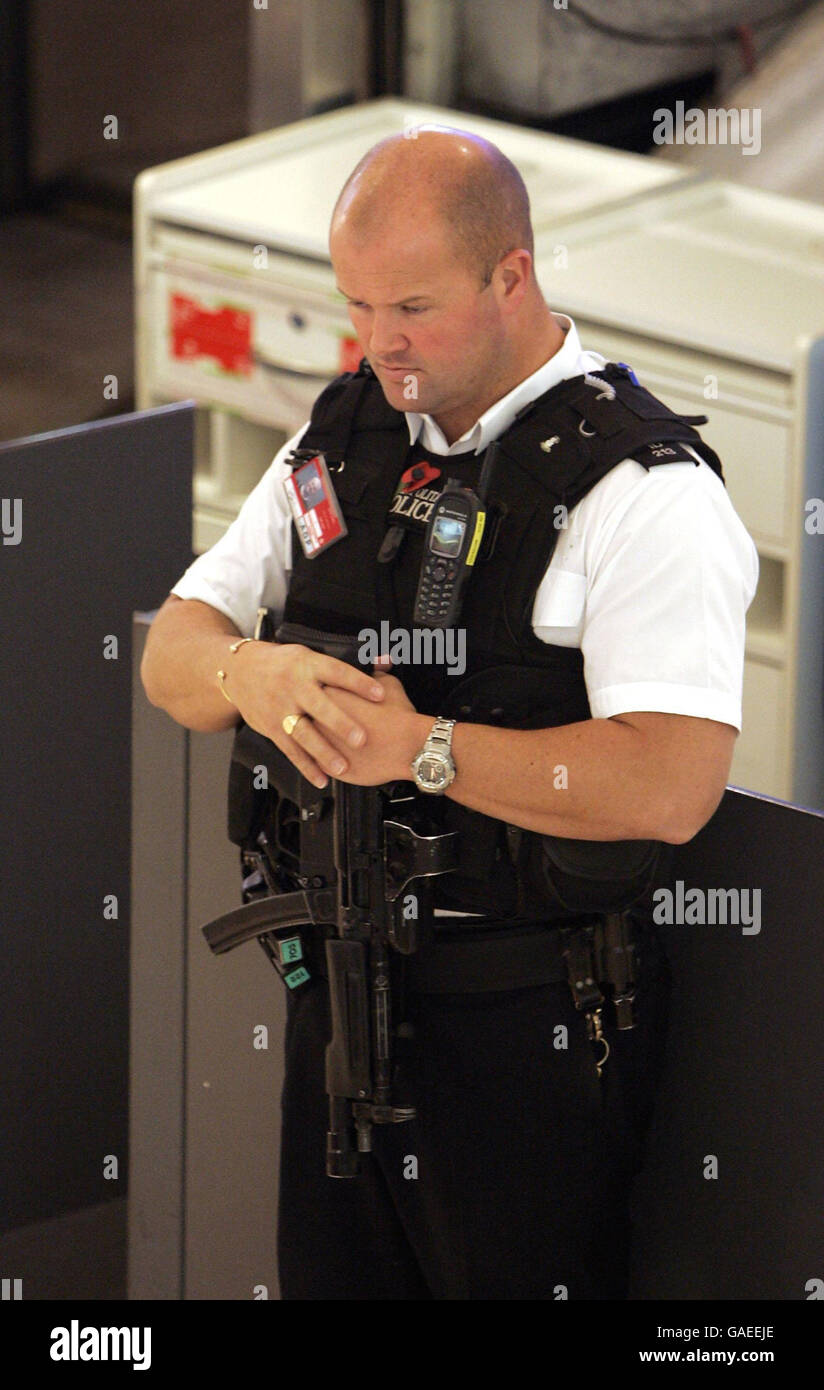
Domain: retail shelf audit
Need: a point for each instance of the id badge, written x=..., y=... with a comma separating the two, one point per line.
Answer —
x=314, y=506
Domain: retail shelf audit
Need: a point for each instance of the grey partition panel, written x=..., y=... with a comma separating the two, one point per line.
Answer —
x=157, y=1047
x=742, y=1076
x=104, y=514
x=808, y=770
x=205, y=1100
x=233, y=1080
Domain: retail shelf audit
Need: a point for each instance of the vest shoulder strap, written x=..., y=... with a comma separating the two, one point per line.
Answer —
x=587, y=424
x=352, y=398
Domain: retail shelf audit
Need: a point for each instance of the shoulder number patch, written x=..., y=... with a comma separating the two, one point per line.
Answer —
x=669, y=451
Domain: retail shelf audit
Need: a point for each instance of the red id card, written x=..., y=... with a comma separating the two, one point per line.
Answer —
x=314, y=506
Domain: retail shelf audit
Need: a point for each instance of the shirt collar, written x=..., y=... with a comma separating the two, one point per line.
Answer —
x=566, y=362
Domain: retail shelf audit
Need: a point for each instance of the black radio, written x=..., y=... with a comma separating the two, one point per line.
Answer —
x=453, y=537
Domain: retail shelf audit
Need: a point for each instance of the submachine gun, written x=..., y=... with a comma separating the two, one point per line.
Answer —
x=359, y=860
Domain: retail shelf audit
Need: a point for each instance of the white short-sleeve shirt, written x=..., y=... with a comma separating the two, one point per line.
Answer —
x=651, y=578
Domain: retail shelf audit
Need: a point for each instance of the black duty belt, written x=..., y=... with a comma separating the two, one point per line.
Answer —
x=469, y=960
x=475, y=961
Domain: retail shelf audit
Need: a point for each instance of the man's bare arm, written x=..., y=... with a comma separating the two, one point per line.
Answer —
x=187, y=643
x=190, y=641
x=645, y=775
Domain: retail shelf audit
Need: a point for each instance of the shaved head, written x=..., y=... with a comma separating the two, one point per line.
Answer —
x=458, y=177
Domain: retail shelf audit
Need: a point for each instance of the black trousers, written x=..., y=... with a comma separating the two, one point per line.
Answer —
x=514, y=1179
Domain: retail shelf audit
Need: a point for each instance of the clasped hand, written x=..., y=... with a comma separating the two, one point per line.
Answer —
x=358, y=728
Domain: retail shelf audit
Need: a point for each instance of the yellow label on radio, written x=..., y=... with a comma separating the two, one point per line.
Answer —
x=476, y=539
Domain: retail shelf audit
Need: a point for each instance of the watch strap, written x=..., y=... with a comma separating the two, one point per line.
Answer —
x=440, y=736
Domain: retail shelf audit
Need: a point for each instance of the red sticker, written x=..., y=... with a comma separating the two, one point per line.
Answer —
x=349, y=355
x=224, y=334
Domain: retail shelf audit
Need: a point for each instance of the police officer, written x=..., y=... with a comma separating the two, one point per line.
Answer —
x=605, y=635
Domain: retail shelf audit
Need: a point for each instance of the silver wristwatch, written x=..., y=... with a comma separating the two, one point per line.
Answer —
x=434, y=767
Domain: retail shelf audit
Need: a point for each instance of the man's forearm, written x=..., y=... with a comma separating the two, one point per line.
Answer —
x=602, y=779
x=187, y=644
x=581, y=780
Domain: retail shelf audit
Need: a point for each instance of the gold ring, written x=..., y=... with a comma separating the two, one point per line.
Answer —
x=290, y=723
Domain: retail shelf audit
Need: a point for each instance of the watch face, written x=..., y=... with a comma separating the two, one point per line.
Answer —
x=432, y=770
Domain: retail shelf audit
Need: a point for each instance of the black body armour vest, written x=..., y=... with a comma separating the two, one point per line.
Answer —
x=558, y=448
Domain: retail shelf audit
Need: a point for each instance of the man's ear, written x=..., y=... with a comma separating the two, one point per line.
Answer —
x=512, y=275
